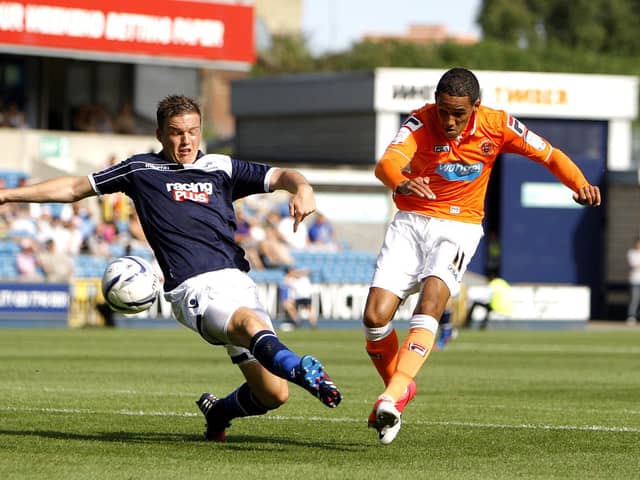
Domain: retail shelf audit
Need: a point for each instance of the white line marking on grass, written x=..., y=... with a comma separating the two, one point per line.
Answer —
x=545, y=348
x=81, y=411
x=522, y=426
x=105, y=391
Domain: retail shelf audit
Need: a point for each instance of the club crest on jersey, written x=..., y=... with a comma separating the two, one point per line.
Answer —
x=194, y=192
x=441, y=148
x=487, y=148
x=458, y=171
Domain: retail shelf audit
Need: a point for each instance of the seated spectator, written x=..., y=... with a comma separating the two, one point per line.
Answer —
x=104, y=235
x=298, y=240
x=13, y=117
x=125, y=122
x=101, y=119
x=248, y=242
x=273, y=251
x=56, y=265
x=295, y=298
x=83, y=220
x=322, y=235
x=27, y=262
x=22, y=224
x=81, y=118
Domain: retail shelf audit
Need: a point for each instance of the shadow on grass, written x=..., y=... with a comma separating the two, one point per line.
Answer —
x=234, y=442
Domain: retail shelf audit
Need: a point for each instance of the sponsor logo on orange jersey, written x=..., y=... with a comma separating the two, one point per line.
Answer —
x=458, y=171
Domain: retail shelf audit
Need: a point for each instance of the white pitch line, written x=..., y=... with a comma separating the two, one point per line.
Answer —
x=522, y=426
x=134, y=393
x=546, y=348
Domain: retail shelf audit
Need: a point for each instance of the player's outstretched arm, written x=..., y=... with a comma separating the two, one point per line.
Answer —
x=62, y=190
x=588, y=195
x=570, y=174
x=302, y=202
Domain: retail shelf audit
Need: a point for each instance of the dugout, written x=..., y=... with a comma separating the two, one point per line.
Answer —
x=337, y=125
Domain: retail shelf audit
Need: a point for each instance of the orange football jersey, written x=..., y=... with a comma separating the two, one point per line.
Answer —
x=459, y=169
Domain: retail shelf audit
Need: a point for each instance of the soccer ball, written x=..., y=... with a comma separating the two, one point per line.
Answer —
x=130, y=284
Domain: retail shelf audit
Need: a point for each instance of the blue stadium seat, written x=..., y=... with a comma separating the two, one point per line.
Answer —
x=12, y=177
x=8, y=265
x=9, y=246
x=116, y=250
x=268, y=275
x=89, y=266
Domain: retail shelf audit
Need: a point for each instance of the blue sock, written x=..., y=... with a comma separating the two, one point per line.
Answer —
x=274, y=355
x=239, y=403
x=242, y=403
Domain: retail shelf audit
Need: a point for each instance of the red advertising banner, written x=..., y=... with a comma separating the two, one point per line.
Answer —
x=177, y=29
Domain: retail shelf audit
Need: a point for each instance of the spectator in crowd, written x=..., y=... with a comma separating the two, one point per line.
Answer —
x=116, y=207
x=105, y=235
x=83, y=219
x=246, y=240
x=27, y=262
x=273, y=251
x=295, y=298
x=322, y=235
x=125, y=122
x=81, y=118
x=499, y=299
x=66, y=236
x=22, y=223
x=101, y=119
x=13, y=117
x=272, y=246
x=56, y=265
x=633, y=257
x=297, y=240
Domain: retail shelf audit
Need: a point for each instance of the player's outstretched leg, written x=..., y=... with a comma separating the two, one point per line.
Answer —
x=312, y=377
x=215, y=430
x=387, y=420
x=219, y=412
x=307, y=372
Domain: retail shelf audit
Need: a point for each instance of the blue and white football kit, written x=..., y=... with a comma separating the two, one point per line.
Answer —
x=187, y=214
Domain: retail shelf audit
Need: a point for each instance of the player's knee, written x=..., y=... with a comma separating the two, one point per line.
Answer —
x=244, y=324
x=274, y=397
x=374, y=318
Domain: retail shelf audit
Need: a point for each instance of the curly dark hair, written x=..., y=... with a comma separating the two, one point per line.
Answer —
x=173, y=105
x=459, y=82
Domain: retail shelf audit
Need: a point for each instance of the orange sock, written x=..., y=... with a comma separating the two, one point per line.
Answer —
x=384, y=355
x=411, y=357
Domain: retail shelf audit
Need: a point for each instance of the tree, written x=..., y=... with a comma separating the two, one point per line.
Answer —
x=605, y=26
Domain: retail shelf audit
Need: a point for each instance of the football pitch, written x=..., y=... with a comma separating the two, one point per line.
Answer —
x=84, y=404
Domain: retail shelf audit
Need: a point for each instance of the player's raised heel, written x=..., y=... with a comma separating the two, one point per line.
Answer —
x=313, y=378
x=407, y=396
x=214, y=432
x=386, y=419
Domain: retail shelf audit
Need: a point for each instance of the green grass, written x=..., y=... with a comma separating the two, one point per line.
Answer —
x=84, y=404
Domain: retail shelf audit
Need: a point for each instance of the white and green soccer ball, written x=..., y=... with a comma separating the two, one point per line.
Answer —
x=130, y=284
